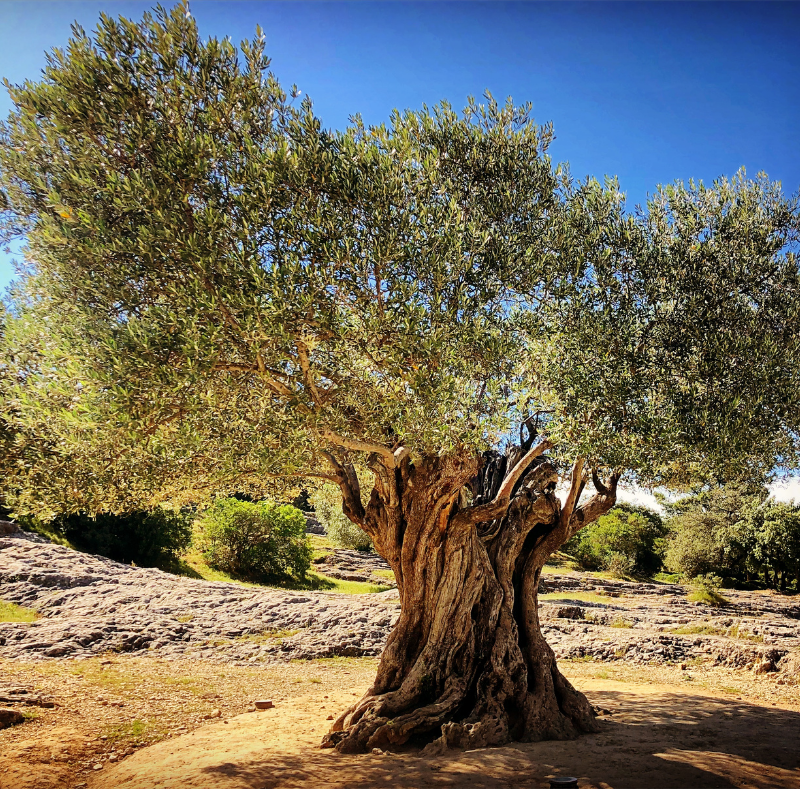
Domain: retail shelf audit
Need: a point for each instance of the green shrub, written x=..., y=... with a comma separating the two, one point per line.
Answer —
x=327, y=502
x=260, y=541
x=626, y=539
x=619, y=565
x=147, y=538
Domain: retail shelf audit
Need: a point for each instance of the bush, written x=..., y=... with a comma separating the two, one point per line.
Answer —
x=327, y=501
x=626, y=539
x=260, y=541
x=147, y=538
x=619, y=565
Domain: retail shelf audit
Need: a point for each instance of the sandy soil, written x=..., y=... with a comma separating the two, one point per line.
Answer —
x=656, y=736
x=667, y=728
x=107, y=708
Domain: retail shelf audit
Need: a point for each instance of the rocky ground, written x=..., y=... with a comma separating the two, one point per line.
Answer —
x=90, y=606
x=123, y=656
x=355, y=566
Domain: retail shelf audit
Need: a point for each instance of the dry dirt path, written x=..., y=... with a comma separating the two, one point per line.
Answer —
x=656, y=737
x=109, y=710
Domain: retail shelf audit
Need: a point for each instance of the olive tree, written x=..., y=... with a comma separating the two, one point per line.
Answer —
x=224, y=293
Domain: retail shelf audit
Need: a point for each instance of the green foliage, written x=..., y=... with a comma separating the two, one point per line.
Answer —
x=221, y=292
x=771, y=532
x=148, y=539
x=705, y=531
x=342, y=532
x=256, y=541
x=627, y=539
x=735, y=532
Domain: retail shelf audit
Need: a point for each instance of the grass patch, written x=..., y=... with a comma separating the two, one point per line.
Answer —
x=30, y=524
x=11, y=612
x=562, y=561
x=321, y=544
x=339, y=586
x=267, y=635
x=338, y=660
x=388, y=574
x=737, y=632
x=620, y=621
x=707, y=596
x=668, y=578
x=136, y=731
x=184, y=618
x=193, y=565
x=698, y=630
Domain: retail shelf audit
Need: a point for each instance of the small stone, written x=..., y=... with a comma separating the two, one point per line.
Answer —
x=265, y=704
x=10, y=717
x=98, y=767
x=215, y=714
x=683, y=667
x=329, y=718
x=378, y=752
x=764, y=667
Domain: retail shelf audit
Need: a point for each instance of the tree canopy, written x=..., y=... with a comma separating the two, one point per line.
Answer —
x=220, y=291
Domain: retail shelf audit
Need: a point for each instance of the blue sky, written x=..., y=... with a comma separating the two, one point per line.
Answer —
x=651, y=92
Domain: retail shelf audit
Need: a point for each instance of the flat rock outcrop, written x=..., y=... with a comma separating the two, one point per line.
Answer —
x=348, y=565
x=90, y=605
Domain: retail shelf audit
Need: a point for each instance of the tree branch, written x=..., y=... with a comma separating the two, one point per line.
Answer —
x=575, y=489
x=499, y=505
x=305, y=366
x=598, y=505
x=346, y=479
x=360, y=446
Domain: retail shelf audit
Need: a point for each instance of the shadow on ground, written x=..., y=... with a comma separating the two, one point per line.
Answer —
x=656, y=738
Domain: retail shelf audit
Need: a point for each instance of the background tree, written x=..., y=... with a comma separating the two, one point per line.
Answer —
x=628, y=538
x=222, y=293
x=707, y=535
x=771, y=531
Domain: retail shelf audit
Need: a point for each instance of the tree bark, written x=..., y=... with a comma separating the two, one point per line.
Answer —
x=466, y=664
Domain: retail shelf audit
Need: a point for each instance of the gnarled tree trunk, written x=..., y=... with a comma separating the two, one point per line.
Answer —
x=466, y=664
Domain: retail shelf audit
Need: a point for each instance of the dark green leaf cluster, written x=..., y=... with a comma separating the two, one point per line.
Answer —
x=148, y=539
x=635, y=533
x=735, y=531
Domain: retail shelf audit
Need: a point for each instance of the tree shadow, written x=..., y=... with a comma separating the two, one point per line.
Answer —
x=652, y=740
x=180, y=567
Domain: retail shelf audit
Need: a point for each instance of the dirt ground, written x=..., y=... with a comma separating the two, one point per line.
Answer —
x=138, y=723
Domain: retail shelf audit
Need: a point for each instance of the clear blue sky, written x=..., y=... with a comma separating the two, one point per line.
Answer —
x=651, y=92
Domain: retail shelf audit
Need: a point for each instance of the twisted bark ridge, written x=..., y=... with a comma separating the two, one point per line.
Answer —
x=466, y=665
